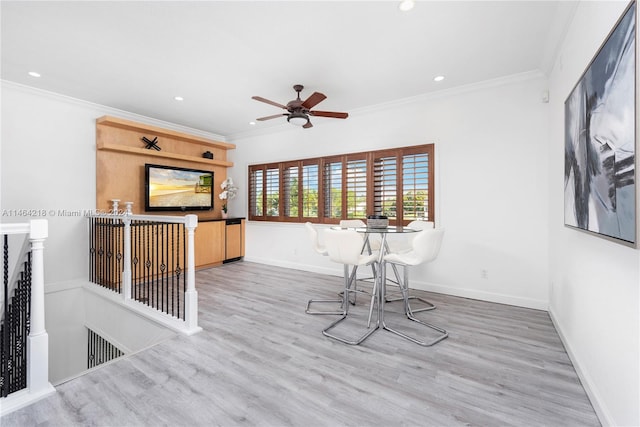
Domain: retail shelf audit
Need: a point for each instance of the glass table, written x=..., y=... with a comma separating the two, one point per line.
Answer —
x=380, y=273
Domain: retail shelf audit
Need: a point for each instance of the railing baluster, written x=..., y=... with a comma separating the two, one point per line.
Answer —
x=4, y=368
x=151, y=260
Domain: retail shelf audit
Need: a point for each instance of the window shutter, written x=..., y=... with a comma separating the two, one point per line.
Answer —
x=415, y=187
x=290, y=189
x=310, y=185
x=332, y=178
x=256, y=180
x=385, y=186
x=356, y=185
x=272, y=190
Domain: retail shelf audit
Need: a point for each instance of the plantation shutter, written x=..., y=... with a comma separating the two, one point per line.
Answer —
x=415, y=187
x=385, y=186
x=310, y=185
x=356, y=186
x=272, y=190
x=256, y=195
x=290, y=188
x=332, y=180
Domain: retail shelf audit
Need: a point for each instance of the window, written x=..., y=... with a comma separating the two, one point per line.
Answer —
x=310, y=185
x=397, y=183
x=415, y=186
x=332, y=186
x=272, y=192
x=385, y=185
x=290, y=191
x=256, y=202
x=356, y=188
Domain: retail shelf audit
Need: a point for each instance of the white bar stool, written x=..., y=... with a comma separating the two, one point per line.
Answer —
x=425, y=248
x=315, y=242
x=405, y=245
x=345, y=247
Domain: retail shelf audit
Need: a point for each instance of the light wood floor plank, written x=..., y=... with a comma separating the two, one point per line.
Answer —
x=261, y=361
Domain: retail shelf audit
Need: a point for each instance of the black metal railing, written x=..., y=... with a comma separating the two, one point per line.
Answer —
x=106, y=252
x=157, y=260
x=99, y=350
x=14, y=329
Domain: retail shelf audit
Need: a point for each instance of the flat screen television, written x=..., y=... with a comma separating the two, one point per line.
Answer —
x=170, y=188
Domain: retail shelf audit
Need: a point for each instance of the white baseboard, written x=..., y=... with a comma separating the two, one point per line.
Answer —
x=587, y=383
x=296, y=266
x=423, y=286
x=481, y=295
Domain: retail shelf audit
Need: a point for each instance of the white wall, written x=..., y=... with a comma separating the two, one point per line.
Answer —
x=491, y=183
x=594, y=298
x=48, y=165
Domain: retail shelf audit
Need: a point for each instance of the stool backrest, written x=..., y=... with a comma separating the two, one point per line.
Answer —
x=344, y=246
x=315, y=241
x=426, y=244
x=421, y=225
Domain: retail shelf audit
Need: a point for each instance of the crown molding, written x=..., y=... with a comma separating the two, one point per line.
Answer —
x=110, y=111
x=444, y=93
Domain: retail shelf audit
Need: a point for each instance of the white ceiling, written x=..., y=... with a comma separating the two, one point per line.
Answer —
x=136, y=56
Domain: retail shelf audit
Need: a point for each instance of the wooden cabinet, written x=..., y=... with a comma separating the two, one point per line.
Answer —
x=219, y=241
x=210, y=243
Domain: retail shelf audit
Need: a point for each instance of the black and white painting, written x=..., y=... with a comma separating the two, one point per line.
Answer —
x=599, y=175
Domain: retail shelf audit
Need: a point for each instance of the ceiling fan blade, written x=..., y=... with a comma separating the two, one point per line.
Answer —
x=332, y=114
x=313, y=100
x=307, y=125
x=275, y=116
x=261, y=99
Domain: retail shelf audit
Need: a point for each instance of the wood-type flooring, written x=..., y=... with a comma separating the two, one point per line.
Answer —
x=261, y=361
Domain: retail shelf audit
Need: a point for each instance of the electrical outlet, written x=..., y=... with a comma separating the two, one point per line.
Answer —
x=484, y=274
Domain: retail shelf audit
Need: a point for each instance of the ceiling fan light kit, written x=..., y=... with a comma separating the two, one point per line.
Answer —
x=298, y=119
x=298, y=111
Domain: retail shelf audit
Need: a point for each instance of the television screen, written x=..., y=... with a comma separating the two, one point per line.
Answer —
x=169, y=188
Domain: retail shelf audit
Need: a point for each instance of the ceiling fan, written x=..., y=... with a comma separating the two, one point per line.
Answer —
x=298, y=111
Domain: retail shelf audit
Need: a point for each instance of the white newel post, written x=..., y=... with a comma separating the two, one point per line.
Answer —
x=38, y=340
x=126, y=273
x=191, y=295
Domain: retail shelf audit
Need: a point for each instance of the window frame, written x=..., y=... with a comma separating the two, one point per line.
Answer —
x=321, y=162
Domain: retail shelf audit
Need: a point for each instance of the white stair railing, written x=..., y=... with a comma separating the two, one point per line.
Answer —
x=116, y=266
x=37, y=384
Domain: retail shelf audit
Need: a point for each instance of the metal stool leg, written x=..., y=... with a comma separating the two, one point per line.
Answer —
x=405, y=282
x=409, y=313
x=334, y=301
x=349, y=281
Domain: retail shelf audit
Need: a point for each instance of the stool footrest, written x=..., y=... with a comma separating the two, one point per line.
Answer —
x=359, y=340
x=324, y=301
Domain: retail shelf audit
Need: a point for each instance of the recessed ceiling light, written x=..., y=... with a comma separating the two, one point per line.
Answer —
x=34, y=74
x=438, y=78
x=406, y=5
x=252, y=123
x=178, y=98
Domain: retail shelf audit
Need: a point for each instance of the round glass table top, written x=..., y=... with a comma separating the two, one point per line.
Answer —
x=391, y=229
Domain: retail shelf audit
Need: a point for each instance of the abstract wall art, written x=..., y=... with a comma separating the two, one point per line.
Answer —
x=600, y=140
